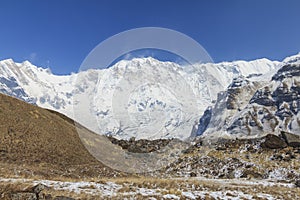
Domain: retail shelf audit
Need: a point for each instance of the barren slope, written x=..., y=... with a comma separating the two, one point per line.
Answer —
x=35, y=141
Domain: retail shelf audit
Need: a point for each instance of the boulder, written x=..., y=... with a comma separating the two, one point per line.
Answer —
x=273, y=142
x=291, y=139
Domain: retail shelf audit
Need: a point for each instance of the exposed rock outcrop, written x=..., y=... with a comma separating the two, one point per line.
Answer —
x=140, y=146
x=291, y=139
x=273, y=142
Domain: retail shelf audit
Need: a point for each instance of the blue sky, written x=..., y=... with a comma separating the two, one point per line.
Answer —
x=60, y=33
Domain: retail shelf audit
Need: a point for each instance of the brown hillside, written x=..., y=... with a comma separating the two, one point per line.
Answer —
x=36, y=141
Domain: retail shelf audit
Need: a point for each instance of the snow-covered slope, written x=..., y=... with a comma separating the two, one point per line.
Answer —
x=259, y=105
x=142, y=98
x=37, y=85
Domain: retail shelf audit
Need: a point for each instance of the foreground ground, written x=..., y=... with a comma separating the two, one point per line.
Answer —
x=151, y=188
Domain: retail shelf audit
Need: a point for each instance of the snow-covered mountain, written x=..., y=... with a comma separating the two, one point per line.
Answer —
x=143, y=97
x=254, y=106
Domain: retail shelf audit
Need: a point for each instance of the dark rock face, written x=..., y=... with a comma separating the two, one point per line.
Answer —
x=273, y=108
x=273, y=142
x=204, y=121
x=234, y=90
x=231, y=102
x=283, y=94
x=291, y=139
x=288, y=70
x=263, y=97
x=287, y=94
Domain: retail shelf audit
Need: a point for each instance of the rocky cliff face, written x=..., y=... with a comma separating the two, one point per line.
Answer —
x=252, y=107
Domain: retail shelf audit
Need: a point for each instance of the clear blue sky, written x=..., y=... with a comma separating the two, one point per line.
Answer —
x=60, y=33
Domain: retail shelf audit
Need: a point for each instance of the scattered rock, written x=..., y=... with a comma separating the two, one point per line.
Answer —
x=198, y=143
x=24, y=195
x=297, y=183
x=32, y=193
x=45, y=197
x=193, y=174
x=289, y=156
x=297, y=150
x=251, y=174
x=191, y=149
x=276, y=157
x=273, y=142
x=220, y=148
x=292, y=140
x=38, y=188
x=63, y=198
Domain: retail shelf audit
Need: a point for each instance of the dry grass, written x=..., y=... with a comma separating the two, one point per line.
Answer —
x=35, y=142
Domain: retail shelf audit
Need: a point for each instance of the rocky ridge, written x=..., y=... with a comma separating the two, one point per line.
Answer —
x=253, y=108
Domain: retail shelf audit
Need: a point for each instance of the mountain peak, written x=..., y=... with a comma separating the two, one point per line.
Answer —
x=27, y=62
x=292, y=59
x=143, y=60
x=9, y=60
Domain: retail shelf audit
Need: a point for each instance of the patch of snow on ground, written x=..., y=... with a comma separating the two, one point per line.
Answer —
x=108, y=189
x=171, y=196
x=265, y=196
x=189, y=195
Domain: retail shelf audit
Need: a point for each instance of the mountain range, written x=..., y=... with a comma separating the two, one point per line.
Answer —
x=149, y=99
